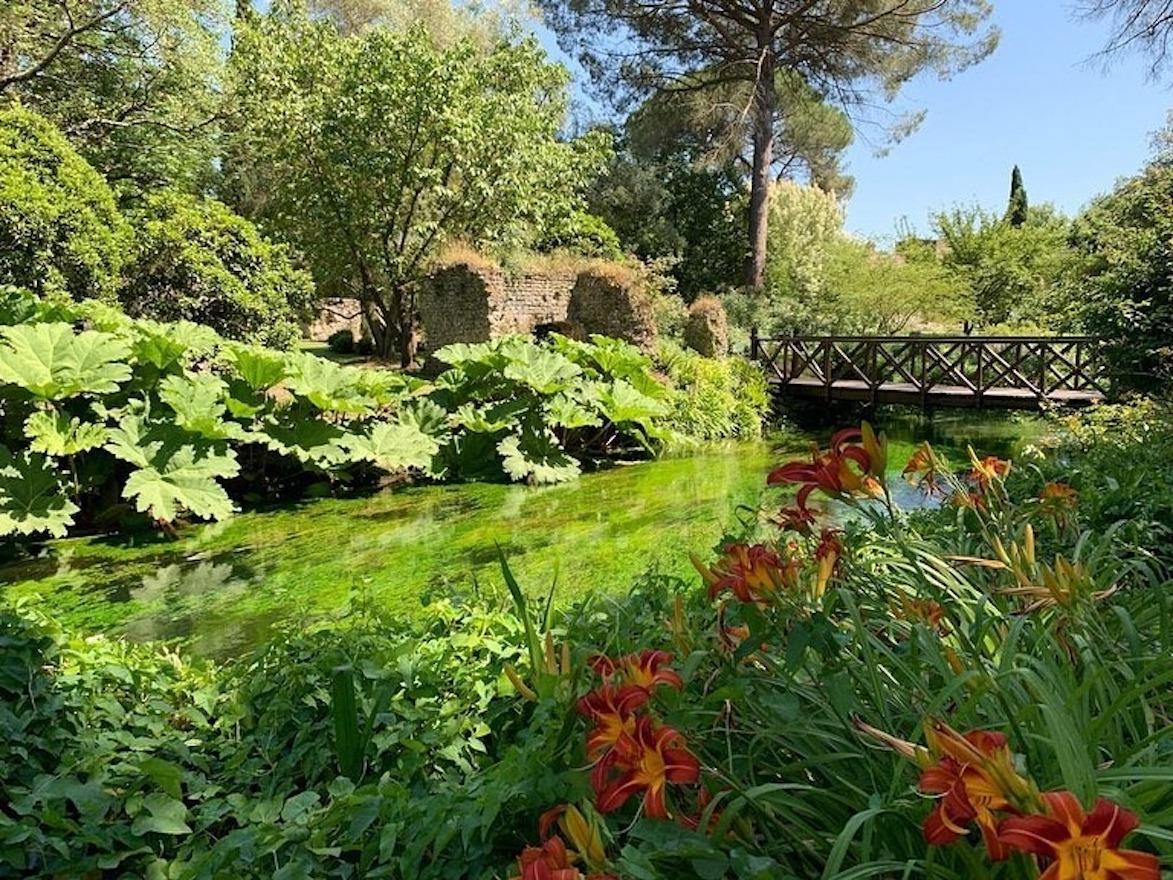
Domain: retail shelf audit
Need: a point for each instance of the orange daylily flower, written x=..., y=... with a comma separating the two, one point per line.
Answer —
x=752, y=573
x=1058, y=500
x=970, y=791
x=926, y=611
x=550, y=861
x=646, y=761
x=612, y=711
x=1080, y=846
x=923, y=470
x=986, y=470
x=645, y=670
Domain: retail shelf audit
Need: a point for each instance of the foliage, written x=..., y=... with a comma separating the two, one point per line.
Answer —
x=581, y=234
x=1011, y=272
x=1121, y=284
x=60, y=229
x=666, y=207
x=99, y=406
x=194, y=260
x=720, y=398
x=805, y=222
x=371, y=152
x=1018, y=208
x=846, y=52
x=133, y=83
x=342, y=341
x=790, y=702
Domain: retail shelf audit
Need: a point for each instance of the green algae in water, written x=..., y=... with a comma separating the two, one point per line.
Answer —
x=224, y=586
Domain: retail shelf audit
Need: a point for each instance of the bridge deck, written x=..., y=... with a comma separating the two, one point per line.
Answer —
x=938, y=395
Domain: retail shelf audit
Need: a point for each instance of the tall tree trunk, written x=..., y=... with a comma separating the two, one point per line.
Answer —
x=765, y=108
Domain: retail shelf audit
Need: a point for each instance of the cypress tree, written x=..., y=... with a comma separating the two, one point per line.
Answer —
x=1016, y=211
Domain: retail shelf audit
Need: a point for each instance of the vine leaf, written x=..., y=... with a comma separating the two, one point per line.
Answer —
x=55, y=433
x=31, y=496
x=53, y=362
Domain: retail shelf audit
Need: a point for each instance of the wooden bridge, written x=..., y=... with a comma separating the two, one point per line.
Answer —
x=1019, y=372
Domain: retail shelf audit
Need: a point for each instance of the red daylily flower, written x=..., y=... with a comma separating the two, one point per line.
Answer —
x=645, y=670
x=1080, y=846
x=752, y=573
x=612, y=711
x=975, y=777
x=550, y=861
x=798, y=518
x=646, y=761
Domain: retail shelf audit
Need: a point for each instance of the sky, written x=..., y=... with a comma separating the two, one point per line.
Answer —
x=1038, y=102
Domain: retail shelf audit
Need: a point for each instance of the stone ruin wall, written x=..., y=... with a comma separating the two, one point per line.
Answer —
x=467, y=303
x=334, y=315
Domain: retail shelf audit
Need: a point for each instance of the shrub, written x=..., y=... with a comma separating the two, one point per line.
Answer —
x=707, y=330
x=342, y=341
x=60, y=229
x=715, y=399
x=195, y=260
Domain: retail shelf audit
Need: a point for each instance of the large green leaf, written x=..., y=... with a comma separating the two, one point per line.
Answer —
x=327, y=386
x=300, y=432
x=198, y=400
x=546, y=372
x=55, y=433
x=536, y=458
x=490, y=419
x=393, y=446
x=259, y=368
x=566, y=411
x=620, y=402
x=31, y=496
x=52, y=361
x=172, y=474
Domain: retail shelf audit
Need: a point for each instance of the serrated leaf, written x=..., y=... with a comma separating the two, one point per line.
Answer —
x=31, y=496
x=536, y=459
x=564, y=411
x=427, y=416
x=55, y=433
x=620, y=402
x=52, y=361
x=327, y=386
x=546, y=372
x=198, y=400
x=489, y=419
x=394, y=446
x=299, y=432
x=259, y=368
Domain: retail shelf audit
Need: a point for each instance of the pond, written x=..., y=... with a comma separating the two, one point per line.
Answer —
x=222, y=587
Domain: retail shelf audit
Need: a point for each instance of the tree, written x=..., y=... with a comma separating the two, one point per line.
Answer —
x=1121, y=286
x=845, y=50
x=132, y=83
x=1018, y=209
x=1144, y=26
x=195, y=260
x=60, y=228
x=370, y=152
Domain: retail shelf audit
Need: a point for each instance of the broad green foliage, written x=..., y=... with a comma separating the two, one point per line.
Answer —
x=371, y=152
x=136, y=83
x=1121, y=285
x=52, y=362
x=195, y=260
x=60, y=229
x=31, y=499
x=719, y=399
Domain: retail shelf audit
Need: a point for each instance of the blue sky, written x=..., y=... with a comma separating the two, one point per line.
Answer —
x=1037, y=101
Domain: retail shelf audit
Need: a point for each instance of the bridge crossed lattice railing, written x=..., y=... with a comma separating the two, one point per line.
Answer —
x=967, y=370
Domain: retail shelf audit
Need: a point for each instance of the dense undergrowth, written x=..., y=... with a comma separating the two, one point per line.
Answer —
x=781, y=735
x=104, y=418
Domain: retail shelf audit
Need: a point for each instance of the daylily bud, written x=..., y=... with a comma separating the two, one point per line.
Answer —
x=518, y=685
x=1030, y=544
x=585, y=836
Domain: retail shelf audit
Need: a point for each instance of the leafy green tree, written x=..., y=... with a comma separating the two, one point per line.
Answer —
x=668, y=207
x=1018, y=209
x=371, y=152
x=132, y=83
x=195, y=260
x=60, y=229
x=1122, y=281
x=844, y=50
x=1011, y=272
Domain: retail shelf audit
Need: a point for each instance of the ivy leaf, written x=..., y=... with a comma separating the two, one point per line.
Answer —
x=31, y=496
x=55, y=433
x=161, y=814
x=536, y=458
x=52, y=362
x=393, y=447
x=198, y=400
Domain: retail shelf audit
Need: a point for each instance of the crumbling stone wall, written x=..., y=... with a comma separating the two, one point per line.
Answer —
x=474, y=302
x=334, y=315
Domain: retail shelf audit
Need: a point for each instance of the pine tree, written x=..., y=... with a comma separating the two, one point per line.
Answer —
x=1016, y=211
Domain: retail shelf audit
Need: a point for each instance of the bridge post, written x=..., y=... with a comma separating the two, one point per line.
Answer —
x=753, y=342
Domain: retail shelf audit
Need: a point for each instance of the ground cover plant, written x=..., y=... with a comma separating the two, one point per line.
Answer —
x=977, y=690
x=104, y=416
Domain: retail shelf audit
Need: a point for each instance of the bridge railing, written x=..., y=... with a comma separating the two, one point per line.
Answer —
x=1039, y=365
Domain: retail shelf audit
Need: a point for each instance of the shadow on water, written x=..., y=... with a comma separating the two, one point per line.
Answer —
x=224, y=586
